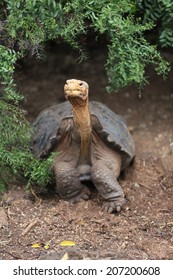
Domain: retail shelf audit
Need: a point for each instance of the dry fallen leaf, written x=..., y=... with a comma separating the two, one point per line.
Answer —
x=81, y=222
x=38, y=245
x=46, y=246
x=67, y=243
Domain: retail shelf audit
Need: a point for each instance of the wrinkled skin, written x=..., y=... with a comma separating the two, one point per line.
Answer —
x=84, y=156
x=105, y=169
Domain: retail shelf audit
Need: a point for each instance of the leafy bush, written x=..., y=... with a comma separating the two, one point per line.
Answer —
x=29, y=24
x=160, y=12
x=26, y=25
x=16, y=159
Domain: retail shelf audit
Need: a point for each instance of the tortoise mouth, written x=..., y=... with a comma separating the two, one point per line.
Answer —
x=77, y=101
x=76, y=97
x=69, y=94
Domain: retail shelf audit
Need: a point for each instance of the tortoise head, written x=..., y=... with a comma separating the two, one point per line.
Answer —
x=76, y=92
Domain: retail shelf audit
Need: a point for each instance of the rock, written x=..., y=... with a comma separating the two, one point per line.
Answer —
x=3, y=218
x=71, y=253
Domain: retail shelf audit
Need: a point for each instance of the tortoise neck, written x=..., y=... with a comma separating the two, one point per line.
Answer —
x=81, y=116
x=82, y=121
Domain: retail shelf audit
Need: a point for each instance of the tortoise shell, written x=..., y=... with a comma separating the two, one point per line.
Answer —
x=112, y=129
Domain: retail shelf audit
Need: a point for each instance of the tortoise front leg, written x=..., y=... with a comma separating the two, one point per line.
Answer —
x=104, y=176
x=68, y=184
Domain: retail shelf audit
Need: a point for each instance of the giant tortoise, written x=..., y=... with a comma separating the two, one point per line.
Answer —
x=92, y=144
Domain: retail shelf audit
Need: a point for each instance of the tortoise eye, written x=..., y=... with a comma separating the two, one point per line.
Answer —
x=81, y=84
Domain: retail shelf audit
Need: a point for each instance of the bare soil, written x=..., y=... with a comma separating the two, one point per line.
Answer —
x=144, y=228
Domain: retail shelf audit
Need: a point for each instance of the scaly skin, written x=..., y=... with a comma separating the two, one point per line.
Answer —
x=95, y=161
x=76, y=92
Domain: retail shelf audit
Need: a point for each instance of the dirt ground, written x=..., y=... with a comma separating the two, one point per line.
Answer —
x=144, y=228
